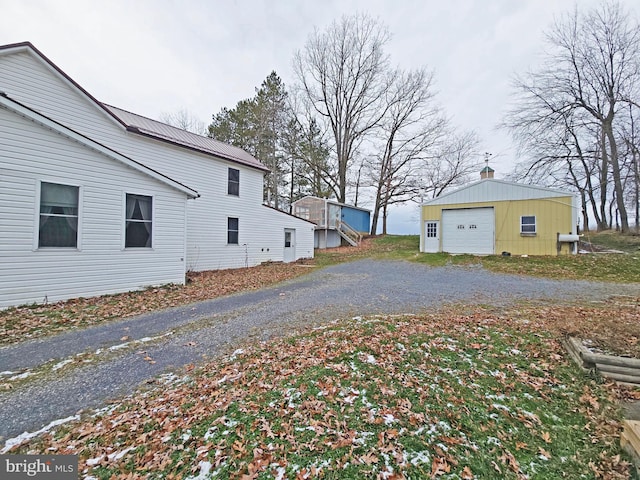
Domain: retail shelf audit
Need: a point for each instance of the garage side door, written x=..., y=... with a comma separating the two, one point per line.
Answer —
x=468, y=230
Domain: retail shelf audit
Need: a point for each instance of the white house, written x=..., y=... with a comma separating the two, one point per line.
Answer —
x=95, y=199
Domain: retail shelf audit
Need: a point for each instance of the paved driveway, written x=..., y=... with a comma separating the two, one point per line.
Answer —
x=177, y=337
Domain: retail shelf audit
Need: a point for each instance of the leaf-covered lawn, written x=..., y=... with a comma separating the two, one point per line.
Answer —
x=476, y=395
x=33, y=321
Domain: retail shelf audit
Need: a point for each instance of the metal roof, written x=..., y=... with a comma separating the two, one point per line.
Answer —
x=161, y=131
x=333, y=202
x=37, y=117
x=148, y=127
x=492, y=190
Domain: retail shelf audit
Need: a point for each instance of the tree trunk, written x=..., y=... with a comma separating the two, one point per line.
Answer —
x=585, y=214
x=604, y=177
x=376, y=212
x=617, y=179
x=384, y=220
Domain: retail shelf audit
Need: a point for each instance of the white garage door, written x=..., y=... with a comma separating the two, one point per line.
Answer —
x=468, y=230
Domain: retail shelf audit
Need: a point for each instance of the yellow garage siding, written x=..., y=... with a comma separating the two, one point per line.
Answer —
x=553, y=215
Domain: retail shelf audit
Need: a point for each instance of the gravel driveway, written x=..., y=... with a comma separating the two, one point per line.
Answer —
x=174, y=338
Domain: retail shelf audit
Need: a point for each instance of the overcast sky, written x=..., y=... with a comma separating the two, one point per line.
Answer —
x=159, y=56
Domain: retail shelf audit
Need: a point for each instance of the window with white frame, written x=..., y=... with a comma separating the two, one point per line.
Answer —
x=432, y=229
x=58, y=226
x=528, y=224
x=232, y=231
x=233, y=184
x=139, y=221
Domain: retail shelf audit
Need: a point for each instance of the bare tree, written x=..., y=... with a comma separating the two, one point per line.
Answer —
x=592, y=71
x=343, y=75
x=412, y=126
x=455, y=160
x=184, y=120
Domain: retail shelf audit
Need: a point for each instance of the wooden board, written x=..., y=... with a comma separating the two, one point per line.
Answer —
x=630, y=439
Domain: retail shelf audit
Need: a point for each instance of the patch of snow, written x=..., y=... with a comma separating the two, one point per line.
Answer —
x=61, y=364
x=205, y=468
x=387, y=472
x=23, y=437
x=93, y=461
x=493, y=441
x=400, y=346
x=22, y=376
x=389, y=419
x=210, y=433
x=229, y=422
x=499, y=406
x=495, y=397
x=303, y=429
x=444, y=426
x=362, y=437
x=114, y=457
x=417, y=458
x=280, y=473
x=235, y=354
x=7, y=372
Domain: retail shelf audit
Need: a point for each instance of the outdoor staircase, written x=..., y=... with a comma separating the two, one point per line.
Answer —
x=351, y=236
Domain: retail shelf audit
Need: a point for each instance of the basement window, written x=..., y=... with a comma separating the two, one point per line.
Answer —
x=528, y=225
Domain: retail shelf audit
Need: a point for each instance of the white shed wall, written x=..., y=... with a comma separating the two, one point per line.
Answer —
x=30, y=153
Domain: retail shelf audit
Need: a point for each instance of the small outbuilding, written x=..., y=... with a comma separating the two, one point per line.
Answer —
x=499, y=217
x=334, y=221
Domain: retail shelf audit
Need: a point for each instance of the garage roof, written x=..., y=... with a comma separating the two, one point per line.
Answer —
x=492, y=190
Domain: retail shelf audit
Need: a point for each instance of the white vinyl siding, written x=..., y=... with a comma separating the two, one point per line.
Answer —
x=207, y=249
x=29, y=154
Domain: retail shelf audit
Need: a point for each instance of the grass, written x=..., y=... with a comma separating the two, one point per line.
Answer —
x=467, y=392
x=611, y=239
x=35, y=321
x=451, y=395
x=597, y=267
